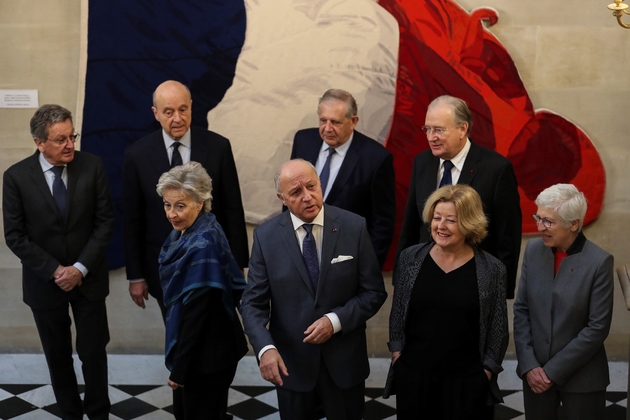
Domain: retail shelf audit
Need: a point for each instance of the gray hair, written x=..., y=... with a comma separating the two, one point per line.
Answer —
x=46, y=116
x=460, y=109
x=276, y=177
x=564, y=199
x=192, y=179
x=343, y=96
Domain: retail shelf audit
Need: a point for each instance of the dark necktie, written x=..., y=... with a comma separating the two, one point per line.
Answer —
x=325, y=175
x=447, y=178
x=176, y=160
x=60, y=193
x=309, y=253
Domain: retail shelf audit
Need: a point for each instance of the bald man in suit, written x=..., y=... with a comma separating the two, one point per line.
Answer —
x=315, y=281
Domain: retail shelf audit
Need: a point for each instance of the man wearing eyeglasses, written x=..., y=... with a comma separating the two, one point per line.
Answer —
x=453, y=158
x=57, y=220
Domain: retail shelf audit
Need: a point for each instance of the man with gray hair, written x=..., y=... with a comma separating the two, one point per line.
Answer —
x=313, y=282
x=453, y=158
x=356, y=172
x=58, y=220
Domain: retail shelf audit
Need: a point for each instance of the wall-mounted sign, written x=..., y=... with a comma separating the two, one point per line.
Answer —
x=18, y=98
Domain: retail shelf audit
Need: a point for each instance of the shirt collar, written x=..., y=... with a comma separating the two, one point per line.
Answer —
x=577, y=245
x=168, y=141
x=458, y=161
x=297, y=222
x=341, y=150
x=46, y=166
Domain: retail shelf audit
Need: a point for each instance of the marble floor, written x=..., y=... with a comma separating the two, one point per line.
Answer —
x=138, y=390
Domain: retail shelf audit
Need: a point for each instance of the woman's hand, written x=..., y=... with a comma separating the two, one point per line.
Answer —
x=174, y=385
x=538, y=380
x=395, y=356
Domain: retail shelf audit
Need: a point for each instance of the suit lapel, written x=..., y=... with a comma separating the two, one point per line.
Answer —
x=427, y=180
x=287, y=233
x=311, y=151
x=329, y=241
x=347, y=167
x=73, y=176
x=199, y=149
x=471, y=165
x=38, y=178
x=157, y=154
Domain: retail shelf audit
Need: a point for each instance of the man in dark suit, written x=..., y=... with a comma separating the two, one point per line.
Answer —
x=314, y=278
x=357, y=173
x=448, y=123
x=57, y=220
x=146, y=226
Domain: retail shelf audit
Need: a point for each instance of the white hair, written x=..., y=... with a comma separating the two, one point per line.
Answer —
x=568, y=203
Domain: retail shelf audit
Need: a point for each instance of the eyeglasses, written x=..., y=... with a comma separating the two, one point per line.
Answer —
x=74, y=137
x=438, y=131
x=546, y=222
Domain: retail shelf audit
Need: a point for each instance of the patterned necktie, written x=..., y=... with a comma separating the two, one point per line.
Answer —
x=309, y=253
x=176, y=159
x=447, y=178
x=323, y=177
x=60, y=193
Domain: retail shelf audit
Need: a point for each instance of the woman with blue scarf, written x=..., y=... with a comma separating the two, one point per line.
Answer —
x=202, y=285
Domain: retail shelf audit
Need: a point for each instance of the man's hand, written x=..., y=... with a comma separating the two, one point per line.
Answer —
x=395, y=356
x=488, y=374
x=538, y=380
x=271, y=365
x=174, y=385
x=319, y=331
x=67, y=278
x=139, y=292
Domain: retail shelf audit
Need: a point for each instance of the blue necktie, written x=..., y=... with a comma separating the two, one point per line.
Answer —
x=325, y=175
x=176, y=159
x=447, y=178
x=60, y=193
x=309, y=253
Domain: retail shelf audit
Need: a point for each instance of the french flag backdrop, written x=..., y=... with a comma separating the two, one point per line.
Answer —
x=257, y=68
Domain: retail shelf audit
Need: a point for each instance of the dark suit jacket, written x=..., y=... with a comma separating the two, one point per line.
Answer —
x=561, y=321
x=365, y=184
x=492, y=176
x=38, y=236
x=280, y=293
x=146, y=226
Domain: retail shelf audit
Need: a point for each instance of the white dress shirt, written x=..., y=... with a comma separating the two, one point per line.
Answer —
x=458, y=165
x=300, y=233
x=50, y=179
x=335, y=161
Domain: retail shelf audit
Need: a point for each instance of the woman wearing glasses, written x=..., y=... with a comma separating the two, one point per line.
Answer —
x=562, y=313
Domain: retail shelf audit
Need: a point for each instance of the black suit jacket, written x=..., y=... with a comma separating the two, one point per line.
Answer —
x=146, y=226
x=492, y=176
x=365, y=184
x=36, y=233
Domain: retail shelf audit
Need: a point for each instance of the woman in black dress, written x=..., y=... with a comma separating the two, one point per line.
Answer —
x=448, y=323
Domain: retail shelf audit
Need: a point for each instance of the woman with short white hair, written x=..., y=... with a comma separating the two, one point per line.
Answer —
x=562, y=312
x=202, y=286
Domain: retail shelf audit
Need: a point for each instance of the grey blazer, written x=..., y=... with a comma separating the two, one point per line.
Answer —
x=279, y=293
x=493, y=323
x=561, y=322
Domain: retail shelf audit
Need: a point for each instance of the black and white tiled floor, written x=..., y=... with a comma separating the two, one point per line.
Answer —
x=138, y=390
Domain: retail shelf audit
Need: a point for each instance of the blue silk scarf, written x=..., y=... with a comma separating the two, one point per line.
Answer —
x=190, y=264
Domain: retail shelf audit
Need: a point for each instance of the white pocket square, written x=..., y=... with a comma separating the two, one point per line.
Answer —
x=341, y=258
